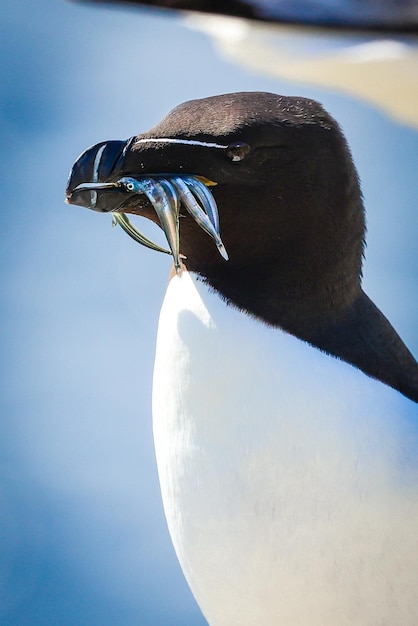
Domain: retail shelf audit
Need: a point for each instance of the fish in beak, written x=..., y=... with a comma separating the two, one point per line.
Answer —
x=97, y=182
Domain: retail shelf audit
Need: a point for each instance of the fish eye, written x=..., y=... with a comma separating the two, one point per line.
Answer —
x=237, y=151
x=129, y=186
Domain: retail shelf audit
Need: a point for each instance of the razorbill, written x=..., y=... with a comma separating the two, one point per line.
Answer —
x=285, y=428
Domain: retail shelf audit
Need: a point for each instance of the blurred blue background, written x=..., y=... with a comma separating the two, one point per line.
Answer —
x=82, y=534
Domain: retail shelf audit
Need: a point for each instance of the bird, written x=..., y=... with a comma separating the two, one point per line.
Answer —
x=284, y=402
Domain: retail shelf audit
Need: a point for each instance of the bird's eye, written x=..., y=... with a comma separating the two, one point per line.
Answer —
x=237, y=151
x=130, y=187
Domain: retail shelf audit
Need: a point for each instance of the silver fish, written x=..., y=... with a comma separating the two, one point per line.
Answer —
x=120, y=219
x=205, y=198
x=196, y=211
x=167, y=194
x=165, y=207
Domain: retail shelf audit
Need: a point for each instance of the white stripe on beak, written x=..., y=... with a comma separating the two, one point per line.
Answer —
x=95, y=176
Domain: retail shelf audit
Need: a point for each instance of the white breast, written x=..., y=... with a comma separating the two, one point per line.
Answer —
x=289, y=479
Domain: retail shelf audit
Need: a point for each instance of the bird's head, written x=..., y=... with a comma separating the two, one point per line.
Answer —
x=280, y=173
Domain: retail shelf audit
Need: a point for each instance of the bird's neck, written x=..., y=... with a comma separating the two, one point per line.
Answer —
x=342, y=321
x=364, y=337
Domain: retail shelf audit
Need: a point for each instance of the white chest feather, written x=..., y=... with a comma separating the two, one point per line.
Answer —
x=289, y=479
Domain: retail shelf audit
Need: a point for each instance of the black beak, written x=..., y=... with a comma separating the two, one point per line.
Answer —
x=97, y=170
x=101, y=180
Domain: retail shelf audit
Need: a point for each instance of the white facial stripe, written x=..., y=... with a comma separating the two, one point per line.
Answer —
x=187, y=142
x=96, y=165
x=95, y=176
